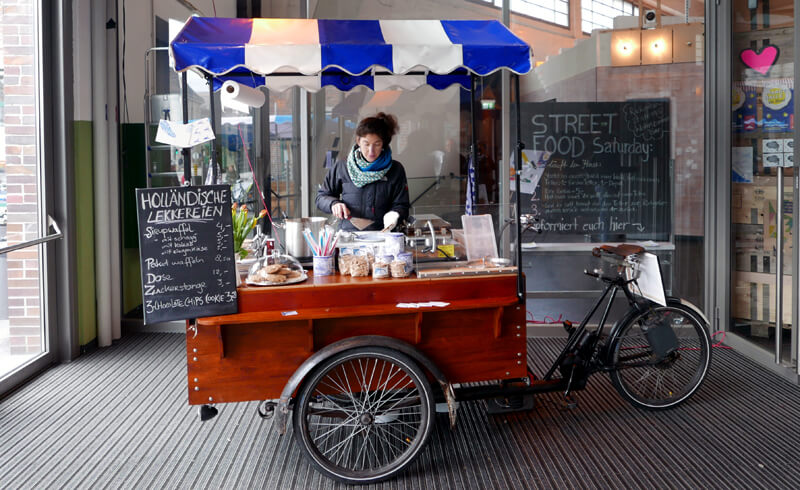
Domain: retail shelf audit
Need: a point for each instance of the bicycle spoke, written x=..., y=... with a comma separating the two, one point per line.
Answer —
x=335, y=429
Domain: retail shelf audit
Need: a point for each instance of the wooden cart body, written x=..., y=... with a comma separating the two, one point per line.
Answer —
x=478, y=336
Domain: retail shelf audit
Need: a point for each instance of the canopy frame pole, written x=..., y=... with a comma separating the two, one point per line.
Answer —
x=213, y=159
x=473, y=149
x=521, y=288
x=186, y=152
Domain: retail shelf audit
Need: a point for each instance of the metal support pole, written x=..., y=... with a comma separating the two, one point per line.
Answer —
x=521, y=287
x=795, y=217
x=779, y=272
x=473, y=149
x=503, y=175
x=186, y=152
x=212, y=161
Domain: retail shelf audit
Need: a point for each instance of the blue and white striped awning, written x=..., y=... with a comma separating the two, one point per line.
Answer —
x=313, y=53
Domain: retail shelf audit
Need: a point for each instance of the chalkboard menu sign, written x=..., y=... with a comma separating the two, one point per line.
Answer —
x=186, y=249
x=598, y=171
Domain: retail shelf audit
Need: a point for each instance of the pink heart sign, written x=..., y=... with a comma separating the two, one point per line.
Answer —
x=762, y=60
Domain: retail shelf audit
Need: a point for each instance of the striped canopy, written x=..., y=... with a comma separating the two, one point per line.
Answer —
x=313, y=53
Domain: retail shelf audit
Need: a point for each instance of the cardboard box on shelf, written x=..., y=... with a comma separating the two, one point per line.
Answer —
x=761, y=261
x=747, y=199
x=770, y=216
x=754, y=297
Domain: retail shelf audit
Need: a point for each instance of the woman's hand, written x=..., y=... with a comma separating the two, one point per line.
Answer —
x=340, y=210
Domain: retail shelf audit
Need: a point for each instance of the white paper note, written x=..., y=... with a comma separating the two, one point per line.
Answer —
x=184, y=135
x=649, y=284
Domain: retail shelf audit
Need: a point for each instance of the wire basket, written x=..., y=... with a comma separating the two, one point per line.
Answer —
x=610, y=266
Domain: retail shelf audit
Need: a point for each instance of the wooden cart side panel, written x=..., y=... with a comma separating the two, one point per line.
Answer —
x=463, y=344
x=258, y=360
x=330, y=330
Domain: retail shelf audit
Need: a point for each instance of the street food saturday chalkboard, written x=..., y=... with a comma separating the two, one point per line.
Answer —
x=186, y=250
x=597, y=171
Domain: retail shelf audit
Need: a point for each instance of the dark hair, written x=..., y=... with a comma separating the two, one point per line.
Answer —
x=382, y=124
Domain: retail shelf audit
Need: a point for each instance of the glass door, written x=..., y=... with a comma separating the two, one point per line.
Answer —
x=25, y=229
x=762, y=173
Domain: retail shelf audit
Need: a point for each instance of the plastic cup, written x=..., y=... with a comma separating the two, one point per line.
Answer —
x=323, y=265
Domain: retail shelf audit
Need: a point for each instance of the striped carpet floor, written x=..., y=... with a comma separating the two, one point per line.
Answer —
x=118, y=418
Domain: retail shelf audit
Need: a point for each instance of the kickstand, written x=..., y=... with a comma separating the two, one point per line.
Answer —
x=569, y=401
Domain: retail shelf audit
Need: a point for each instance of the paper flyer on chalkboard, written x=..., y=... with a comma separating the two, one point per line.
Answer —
x=533, y=166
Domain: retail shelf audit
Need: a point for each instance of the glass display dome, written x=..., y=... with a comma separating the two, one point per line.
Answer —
x=276, y=270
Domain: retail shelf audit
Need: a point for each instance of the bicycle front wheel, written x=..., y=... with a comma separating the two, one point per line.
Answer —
x=656, y=384
x=364, y=415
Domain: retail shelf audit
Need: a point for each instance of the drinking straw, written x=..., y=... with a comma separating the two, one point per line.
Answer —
x=323, y=239
x=313, y=240
x=309, y=239
x=328, y=236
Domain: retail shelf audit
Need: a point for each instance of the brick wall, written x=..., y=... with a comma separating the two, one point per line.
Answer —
x=17, y=21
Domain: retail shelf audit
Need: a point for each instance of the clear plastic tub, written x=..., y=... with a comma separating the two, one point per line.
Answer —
x=345, y=257
x=380, y=268
x=359, y=266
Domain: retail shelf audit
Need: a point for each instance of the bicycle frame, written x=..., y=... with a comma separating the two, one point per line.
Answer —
x=550, y=384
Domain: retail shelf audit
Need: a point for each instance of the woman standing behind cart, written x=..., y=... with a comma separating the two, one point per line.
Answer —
x=369, y=184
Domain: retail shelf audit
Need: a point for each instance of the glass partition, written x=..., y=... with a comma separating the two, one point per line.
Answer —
x=762, y=161
x=613, y=133
x=444, y=236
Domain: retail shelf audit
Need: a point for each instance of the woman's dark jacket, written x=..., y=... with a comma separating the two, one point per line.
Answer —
x=371, y=201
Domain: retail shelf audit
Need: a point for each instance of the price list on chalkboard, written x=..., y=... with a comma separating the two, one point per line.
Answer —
x=186, y=250
x=598, y=170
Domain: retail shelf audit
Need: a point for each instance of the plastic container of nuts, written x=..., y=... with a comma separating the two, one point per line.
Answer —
x=399, y=268
x=358, y=266
x=380, y=268
x=345, y=256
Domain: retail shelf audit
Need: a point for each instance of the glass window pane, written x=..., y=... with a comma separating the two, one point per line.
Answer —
x=546, y=10
x=661, y=191
x=762, y=150
x=22, y=332
x=599, y=14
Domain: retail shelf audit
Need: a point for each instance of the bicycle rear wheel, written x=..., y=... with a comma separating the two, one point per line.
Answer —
x=656, y=384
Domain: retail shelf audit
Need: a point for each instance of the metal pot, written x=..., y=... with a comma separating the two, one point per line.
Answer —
x=294, y=242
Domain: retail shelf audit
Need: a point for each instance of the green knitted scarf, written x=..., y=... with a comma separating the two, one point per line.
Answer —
x=360, y=169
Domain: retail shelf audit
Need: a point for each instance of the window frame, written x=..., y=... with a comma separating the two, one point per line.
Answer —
x=632, y=4
x=490, y=4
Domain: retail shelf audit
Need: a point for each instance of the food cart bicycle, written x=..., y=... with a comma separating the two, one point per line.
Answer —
x=359, y=373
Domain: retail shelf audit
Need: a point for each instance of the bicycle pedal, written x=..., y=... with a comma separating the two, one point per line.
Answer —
x=568, y=327
x=569, y=402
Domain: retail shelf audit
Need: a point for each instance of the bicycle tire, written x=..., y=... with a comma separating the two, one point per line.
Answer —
x=647, y=382
x=373, y=438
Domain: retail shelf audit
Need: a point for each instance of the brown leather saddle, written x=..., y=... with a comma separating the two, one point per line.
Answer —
x=621, y=250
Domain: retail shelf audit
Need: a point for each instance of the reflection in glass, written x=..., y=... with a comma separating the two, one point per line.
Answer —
x=762, y=148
